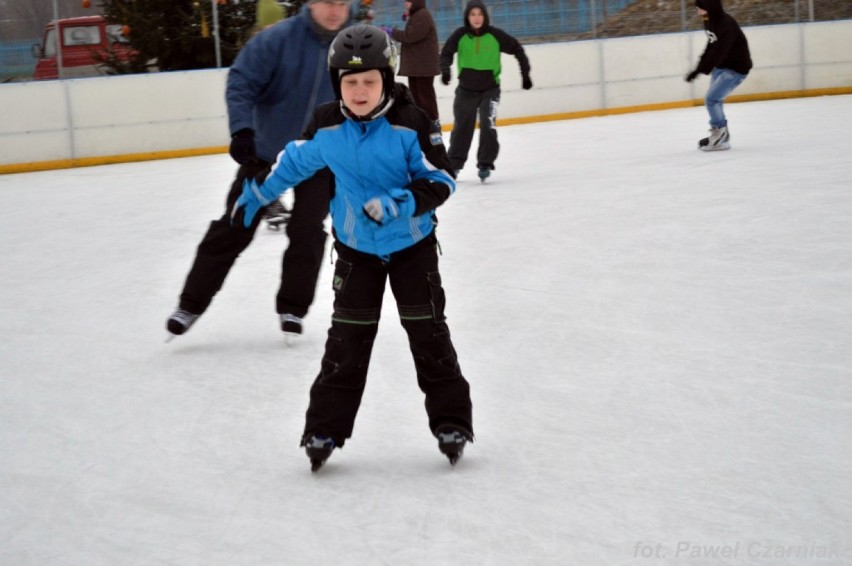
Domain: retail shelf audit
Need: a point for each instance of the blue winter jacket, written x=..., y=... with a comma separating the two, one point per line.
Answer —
x=279, y=77
x=402, y=149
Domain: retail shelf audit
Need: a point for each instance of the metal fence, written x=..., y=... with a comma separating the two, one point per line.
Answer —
x=534, y=21
x=565, y=20
x=522, y=18
x=16, y=59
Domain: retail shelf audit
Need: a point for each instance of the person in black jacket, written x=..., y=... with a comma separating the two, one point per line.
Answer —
x=727, y=60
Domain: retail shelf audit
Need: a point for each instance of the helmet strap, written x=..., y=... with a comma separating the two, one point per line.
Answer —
x=380, y=110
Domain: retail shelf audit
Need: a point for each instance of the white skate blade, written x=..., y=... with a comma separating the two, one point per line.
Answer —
x=292, y=338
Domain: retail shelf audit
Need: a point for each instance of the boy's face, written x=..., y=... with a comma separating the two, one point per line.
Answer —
x=330, y=14
x=362, y=92
x=476, y=18
x=701, y=11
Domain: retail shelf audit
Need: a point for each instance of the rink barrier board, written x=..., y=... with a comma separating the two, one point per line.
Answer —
x=117, y=119
x=172, y=154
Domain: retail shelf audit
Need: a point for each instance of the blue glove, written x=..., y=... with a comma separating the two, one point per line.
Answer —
x=386, y=208
x=387, y=29
x=254, y=198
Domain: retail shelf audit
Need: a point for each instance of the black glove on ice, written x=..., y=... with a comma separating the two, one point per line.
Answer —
x=691, y=76
x=445, y=77
x=242, y=146
x=526, y=82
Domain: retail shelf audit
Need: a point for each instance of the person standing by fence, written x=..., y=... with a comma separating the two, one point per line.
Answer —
x=419, y=55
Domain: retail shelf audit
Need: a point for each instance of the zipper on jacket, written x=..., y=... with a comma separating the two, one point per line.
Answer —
x=317, y=80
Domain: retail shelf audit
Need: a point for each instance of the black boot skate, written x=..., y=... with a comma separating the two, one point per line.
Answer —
x=452, y=440
x=318, y=449
x=180, y=321
x=291, y=324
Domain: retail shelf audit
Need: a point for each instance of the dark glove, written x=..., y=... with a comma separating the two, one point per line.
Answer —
x=691, y=76
x=445, y=77
x=526, y=82
x=257, y=170
x=388, y=30
x=242, y=146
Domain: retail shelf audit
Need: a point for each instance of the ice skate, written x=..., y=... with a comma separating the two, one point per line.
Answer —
x=276, y=215
x=179, y=322
x=291, y=325
x=451, y=441
x=318, y=449
x=718, y=140
x=484, y=173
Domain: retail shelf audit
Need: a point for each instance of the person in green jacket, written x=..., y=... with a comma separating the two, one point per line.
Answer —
x=479, y=45
x=267, y=13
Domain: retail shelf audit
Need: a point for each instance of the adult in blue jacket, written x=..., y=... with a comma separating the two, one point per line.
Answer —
x=276, y=82
x=391, y=172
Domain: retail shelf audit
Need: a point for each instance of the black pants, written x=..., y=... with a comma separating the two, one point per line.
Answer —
x=300, y=266
x=467, y=106
x=423, y=93
x=359, y=285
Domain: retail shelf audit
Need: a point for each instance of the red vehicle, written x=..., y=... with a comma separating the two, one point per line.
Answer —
x=86, y=43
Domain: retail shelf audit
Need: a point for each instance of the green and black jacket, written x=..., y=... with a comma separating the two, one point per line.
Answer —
x=479, y=52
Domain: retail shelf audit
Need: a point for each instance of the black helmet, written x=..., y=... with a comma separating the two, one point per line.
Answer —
x=362, y=47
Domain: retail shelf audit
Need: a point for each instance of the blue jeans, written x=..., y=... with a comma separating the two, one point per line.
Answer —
x=722, y=83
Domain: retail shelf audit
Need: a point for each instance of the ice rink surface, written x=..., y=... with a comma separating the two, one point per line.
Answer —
x=657, y=341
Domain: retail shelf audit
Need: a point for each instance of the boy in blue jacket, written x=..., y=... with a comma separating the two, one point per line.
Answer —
x=391, y=172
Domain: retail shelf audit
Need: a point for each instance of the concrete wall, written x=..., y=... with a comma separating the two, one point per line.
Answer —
x=124, y=118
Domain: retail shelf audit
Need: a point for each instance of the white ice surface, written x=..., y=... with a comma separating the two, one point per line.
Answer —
x=658, y=341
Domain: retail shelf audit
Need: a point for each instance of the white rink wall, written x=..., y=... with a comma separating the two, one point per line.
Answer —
x=56, y=124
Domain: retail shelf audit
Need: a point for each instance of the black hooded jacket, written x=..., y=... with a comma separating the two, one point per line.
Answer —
x=727, y=46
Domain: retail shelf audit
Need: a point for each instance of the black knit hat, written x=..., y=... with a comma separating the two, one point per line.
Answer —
x=700, y=4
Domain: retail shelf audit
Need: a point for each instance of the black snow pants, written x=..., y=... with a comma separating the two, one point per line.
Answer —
x=467, y=106
x=300, y=266
x=359, y=285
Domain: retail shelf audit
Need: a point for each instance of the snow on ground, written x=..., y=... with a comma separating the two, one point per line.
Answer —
x=657, y=341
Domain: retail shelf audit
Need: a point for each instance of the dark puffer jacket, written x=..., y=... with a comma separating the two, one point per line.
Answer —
x=419, y=39
x=727, y=46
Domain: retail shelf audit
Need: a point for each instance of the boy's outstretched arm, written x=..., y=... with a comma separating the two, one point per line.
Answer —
x=299, y=161
x=249, y=203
